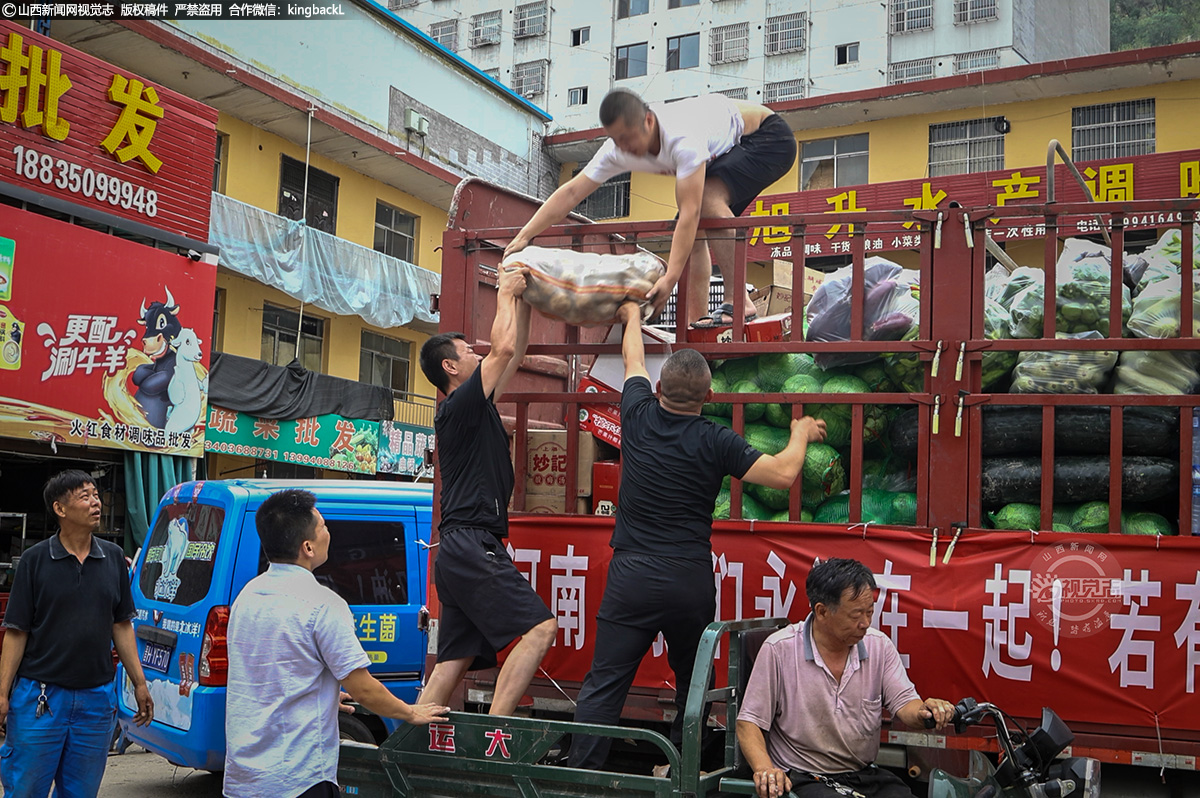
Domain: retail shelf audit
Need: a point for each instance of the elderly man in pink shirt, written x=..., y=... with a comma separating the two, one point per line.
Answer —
x=812, y=713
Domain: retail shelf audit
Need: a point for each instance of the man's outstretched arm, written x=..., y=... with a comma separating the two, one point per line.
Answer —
x=553, y=210
x=689, y=192
x=633, y=351
x=510, y=284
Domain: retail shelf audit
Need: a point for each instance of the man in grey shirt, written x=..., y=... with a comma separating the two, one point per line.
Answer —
x=291, y=642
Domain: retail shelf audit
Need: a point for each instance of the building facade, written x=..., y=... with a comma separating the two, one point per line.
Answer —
x=568, y=56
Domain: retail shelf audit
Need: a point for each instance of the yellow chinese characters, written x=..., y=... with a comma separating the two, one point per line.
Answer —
x=137, y=122
x=928, y=201
x=846, y=202
x=1111, y=183
x=42, y=82
x=771, y=235
x=1189, y=179
x=1016, y=186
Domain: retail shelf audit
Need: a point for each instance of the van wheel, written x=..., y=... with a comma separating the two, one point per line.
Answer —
x=351, y=728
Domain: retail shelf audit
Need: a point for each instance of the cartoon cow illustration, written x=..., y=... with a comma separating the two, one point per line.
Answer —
x=152, y=379
x=186, y=390
x=172, y=557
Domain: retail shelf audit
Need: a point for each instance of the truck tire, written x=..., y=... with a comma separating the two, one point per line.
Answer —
x=353, y=729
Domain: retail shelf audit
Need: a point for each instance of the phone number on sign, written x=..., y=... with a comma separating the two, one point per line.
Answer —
x=77, y=179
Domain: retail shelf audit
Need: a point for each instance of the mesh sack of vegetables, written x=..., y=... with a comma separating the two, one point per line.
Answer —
x=585, y=287
x=1016, y=515
x=1161, y=373
x=1082, y=371
x=890, y=305
x=1156, y=309
x=1084, y=297
x=839, y=418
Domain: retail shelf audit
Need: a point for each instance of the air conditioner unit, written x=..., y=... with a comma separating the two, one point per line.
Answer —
x=412, y=120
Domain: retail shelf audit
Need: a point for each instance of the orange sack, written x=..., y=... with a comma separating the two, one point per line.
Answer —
x=585, y=287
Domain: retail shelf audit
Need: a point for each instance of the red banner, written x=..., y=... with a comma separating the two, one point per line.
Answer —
x=103, y=342
x=1116, y=642
x=85, y=131
x=1160, y=176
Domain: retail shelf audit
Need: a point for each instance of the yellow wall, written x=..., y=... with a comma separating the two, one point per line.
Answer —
x=251, y=167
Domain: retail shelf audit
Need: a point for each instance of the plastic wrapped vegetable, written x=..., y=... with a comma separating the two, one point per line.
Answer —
x=1080, y=371
x=1165, y=257
x=1156, y=308
x=996, y=365
x=890, y=306
x=585, y=287
x=1084, y=277
x=1161, y=373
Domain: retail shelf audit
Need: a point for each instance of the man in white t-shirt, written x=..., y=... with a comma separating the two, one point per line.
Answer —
x=291, y=642
x=722, y=152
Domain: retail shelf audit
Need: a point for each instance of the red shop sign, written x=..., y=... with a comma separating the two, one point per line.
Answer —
x=82, y=130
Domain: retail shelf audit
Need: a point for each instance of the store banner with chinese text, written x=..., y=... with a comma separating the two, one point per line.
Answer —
x=328, y=441
x=402, y=448
x=88, y=132
x=1164, y=175
x=103, y=342
x=1122, y=644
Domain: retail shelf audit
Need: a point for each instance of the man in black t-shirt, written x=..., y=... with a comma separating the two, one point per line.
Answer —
x=70, y=604
x=660, y=578
x=486, y=603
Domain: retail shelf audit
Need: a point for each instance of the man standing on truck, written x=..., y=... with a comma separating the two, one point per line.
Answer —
x=722, y=152
x=291, y=643
x=660, y=577
x=811, y=716
x=486, y=603
x=70, y=604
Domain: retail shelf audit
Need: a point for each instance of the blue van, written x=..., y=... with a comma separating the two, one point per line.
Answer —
x=202, y=549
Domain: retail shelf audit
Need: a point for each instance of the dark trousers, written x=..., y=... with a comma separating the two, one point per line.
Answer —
x=644, y=595
x=872, y=781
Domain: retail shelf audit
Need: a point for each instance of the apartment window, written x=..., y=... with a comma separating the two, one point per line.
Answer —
x=577, y=96
x=741, y=93
x=395, y=233
x=609, y=201
x=385, y=361
x=908, y=71
x=911, y=15
x=683, y=52
x=730, y=43
x=632, y=8
x=977, y=61
x=833, y=163
x=529, y=78
x=320, y=212
x=1112, y=130
x=783, y=91
x=396, y=5
x=682, y=3
x=445, y=33
x=631, y=61
x=529, y=20
x=785, y=34
x=220, y=163
x=956, y=148
x=581, y=36
x=485, y=29
x=966, y=11
x=846, y=54
x=279, y=338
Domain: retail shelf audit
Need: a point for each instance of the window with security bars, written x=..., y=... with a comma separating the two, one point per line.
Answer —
x=968, y=11
x=529, y=20
x=976, y=61
x=529, y=79
x=485, y=29
x=956, y=148
x=729, y=43
x=314, y=200
x=911, y=15
x=908, y=71
x=394, y=5
x=609, y=201
x=1112, y=130
x=741, y=93
x=445, y=33
x=786, y=33
x=783, y=91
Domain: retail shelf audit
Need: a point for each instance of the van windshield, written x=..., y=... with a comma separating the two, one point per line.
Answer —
x=366, y=562
x=180, y=552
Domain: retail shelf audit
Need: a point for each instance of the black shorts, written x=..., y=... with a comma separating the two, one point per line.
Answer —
x=755, y=162
x=486, y=603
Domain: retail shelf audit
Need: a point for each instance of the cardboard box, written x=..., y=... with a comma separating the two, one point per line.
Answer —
x=606, y=481
x=601, y=419
x=549, y=504
x=776, y=298
x=610, y=369
x=546, y=464
x=770, y=328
